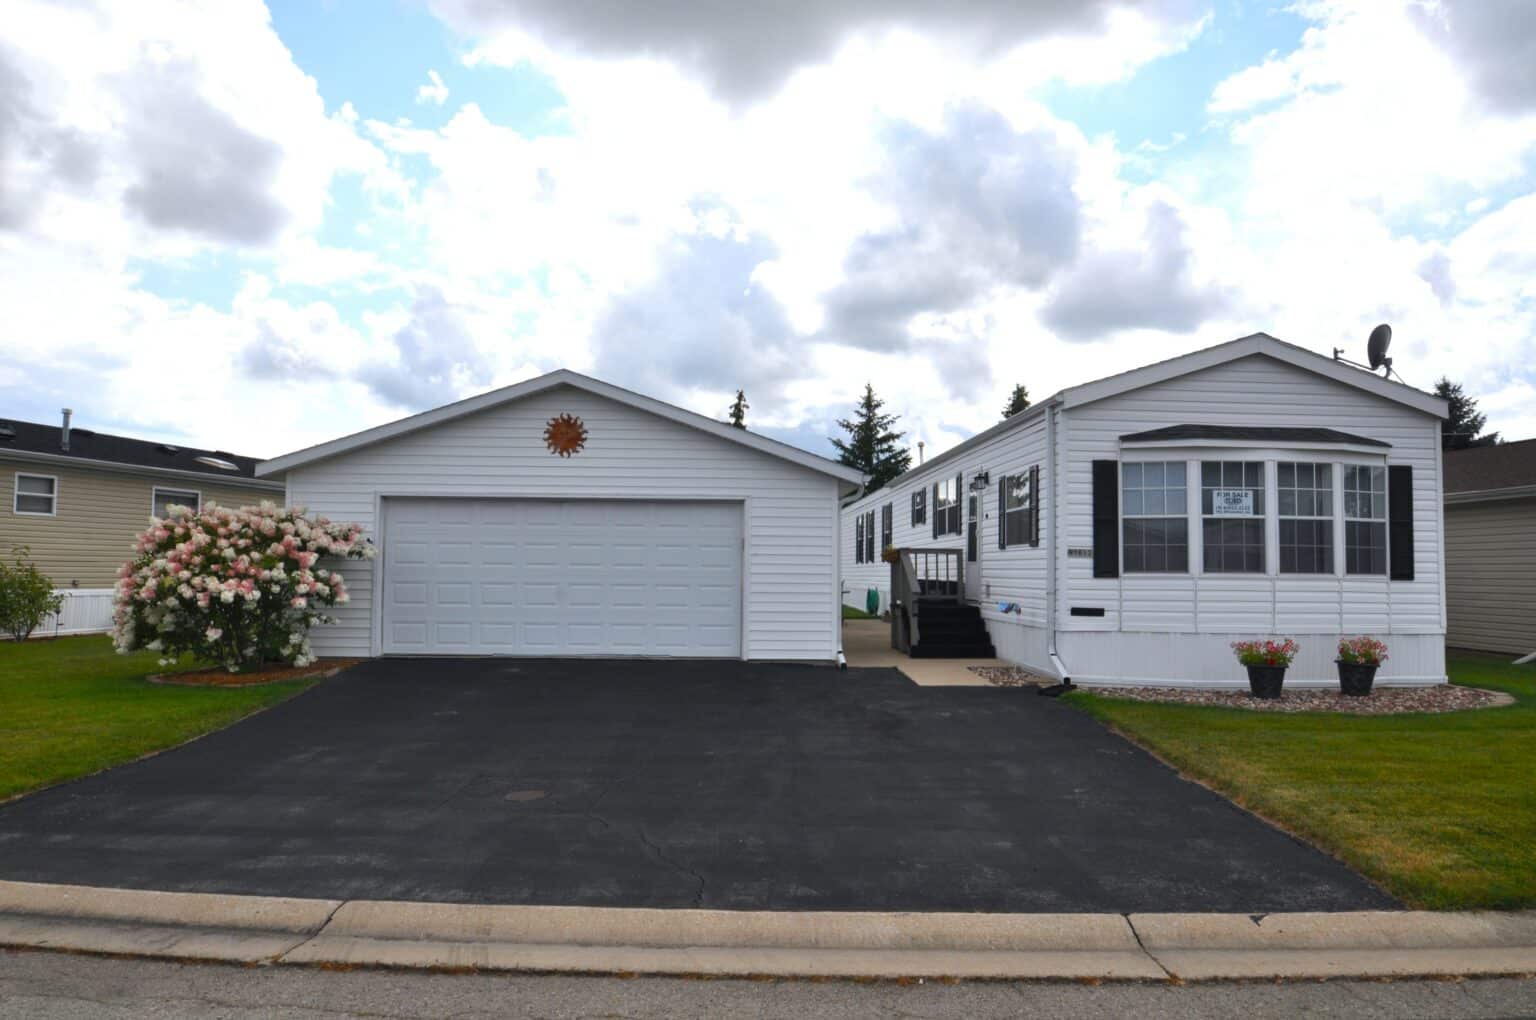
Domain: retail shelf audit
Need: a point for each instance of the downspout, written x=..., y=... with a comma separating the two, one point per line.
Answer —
x=837, y=557
x=1050, y=541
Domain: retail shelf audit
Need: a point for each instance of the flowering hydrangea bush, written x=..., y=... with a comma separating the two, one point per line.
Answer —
x=1268, y=652
x=236, y=587
x=1364, y=650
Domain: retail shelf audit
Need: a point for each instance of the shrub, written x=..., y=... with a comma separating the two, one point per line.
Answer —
x=27, y=597
x=1366, y=650
x=234, y=587
x=1267, y=652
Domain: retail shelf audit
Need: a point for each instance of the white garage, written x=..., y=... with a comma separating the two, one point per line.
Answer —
x=562, y=577
x=565, y=516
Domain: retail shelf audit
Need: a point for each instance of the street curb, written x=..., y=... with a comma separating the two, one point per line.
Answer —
x=600, y=940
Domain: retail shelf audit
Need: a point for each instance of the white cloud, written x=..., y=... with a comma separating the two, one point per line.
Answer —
x=434, y=91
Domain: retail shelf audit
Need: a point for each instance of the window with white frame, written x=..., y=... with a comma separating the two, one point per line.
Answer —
x=1153, y=507
x=920, y=506
x=1018, y=509
x=164, y=499
x=858, y=539
x=1304, y=493
x=1365, y=519
x=887, y=523
x=36, y=495
x=1232, y=516
x=946, y=506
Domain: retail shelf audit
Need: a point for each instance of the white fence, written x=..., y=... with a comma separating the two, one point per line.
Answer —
x=85, y=611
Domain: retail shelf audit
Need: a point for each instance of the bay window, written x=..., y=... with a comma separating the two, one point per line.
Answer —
x=1232, y=516
x=1365, y=519
x=1305, y=496
x=1153, y=500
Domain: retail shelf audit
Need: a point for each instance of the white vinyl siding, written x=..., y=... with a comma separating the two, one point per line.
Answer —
x=789, y=562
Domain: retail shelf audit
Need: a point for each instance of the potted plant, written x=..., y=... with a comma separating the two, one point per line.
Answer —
x=890, y=554
x=1266, y=661
x=1359, y=658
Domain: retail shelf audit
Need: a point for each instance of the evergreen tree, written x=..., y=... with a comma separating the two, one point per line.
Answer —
x=1017, y=401
x=738, y=410
x=1464, y=427
x=872, y=445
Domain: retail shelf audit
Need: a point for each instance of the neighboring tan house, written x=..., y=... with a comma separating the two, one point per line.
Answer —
x=77, y=498
x=1490, y=547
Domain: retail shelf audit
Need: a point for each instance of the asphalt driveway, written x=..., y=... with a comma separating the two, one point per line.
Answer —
x=670, y=784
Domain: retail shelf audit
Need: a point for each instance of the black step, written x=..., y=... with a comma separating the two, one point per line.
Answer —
x=945, y=650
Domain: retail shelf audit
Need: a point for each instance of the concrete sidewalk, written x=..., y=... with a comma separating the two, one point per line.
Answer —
x=596, y=940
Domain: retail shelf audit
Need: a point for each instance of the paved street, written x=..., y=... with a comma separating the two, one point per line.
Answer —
x=48, y=986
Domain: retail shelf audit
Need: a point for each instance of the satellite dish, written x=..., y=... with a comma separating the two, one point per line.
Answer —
x=1376, y=347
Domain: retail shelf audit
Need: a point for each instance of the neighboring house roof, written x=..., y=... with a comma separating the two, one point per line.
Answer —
x=87, y=447
x=1502, y=471
x=561, y=377
x=1196, y=361
x=1248, y=433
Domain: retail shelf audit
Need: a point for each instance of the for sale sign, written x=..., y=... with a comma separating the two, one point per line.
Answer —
x=1232, y=503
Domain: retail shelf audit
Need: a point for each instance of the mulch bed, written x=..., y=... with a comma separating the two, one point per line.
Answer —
x=220, y=677
x=1381, y=701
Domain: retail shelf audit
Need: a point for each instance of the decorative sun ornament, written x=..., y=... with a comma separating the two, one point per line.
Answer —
x=565, y=435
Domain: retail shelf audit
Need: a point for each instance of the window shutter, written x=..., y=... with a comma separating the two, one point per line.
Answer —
x=1106, y=518
x=1400, y=522
x=1034, y=505
x=933, y=511
x=1002, y=512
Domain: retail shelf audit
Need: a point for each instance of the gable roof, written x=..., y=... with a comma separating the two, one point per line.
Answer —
x=1184, y=364
x=33, y=441
x=1256, y=343
x=560, y=377
x=1491, y=468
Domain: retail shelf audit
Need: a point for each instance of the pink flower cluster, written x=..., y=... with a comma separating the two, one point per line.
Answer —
x=239, y=587
x=1367, y=650
x=1267, y=652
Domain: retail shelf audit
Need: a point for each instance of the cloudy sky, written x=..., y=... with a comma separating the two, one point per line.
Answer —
x=255, y=227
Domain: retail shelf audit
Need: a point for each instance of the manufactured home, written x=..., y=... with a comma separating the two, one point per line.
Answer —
x=1490, y=547
x=1127, y=530
x=565, y=516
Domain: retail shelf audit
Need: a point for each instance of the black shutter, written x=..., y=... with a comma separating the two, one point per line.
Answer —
x=1400, y=522
x=1002, y=512
x=1106, y=518
x=933, y=511
x=1034, y=505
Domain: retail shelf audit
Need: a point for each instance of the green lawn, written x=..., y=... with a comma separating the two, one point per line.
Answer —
x=850, y=613
x=1439, y=809
x=73, y=706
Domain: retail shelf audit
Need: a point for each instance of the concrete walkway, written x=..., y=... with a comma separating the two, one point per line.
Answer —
x=867, y=645
x=596, y=940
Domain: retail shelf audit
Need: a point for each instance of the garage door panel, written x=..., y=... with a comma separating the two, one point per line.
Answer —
x=527, y=577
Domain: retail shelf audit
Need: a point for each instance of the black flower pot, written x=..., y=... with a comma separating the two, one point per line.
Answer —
x=1266, y=681
x=1356, y=678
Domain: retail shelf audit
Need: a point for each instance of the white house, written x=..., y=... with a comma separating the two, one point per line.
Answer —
x=566, y=516
x=1126, y=531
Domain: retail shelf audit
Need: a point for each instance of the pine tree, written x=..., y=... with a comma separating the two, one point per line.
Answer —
x=738, y=410
x=1018, y=401
x=1464, y=426
x=872, y=445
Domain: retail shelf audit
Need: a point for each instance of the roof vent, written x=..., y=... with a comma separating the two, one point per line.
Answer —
x=218, y=462
x=7, y=431
x=168, y=448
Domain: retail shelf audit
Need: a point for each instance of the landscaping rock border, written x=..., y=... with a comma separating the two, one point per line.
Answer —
x=1381, y=701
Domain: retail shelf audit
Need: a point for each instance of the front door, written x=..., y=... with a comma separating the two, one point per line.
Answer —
x=973, y=547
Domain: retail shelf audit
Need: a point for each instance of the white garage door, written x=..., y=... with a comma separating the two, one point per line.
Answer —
x=545, y=577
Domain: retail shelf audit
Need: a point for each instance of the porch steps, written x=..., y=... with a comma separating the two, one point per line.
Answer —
x=949, y=631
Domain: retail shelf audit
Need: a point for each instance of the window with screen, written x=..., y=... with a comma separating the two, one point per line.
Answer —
x=1365, y=519
x=164, y=499
x=858, y=539
x=886, y=520
x=920, y=506
x=36, y=495
x=1155, y=528
x=1232, y=516
x=1304, y=493
x=946, y=506
x=1018, y=510
x=869, y=536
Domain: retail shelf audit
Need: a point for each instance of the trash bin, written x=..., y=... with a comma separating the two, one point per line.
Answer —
x=872, y=602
